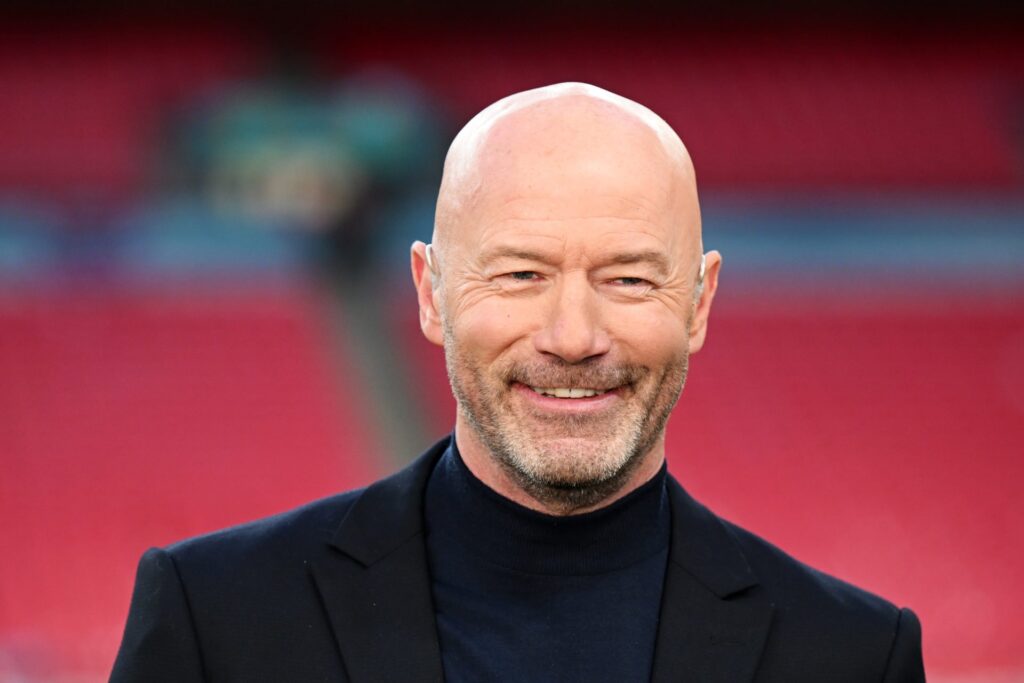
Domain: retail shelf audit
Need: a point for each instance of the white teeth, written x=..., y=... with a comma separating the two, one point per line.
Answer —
x=564, y=392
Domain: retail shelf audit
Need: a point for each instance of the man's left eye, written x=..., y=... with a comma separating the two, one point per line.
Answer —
x=630, y=281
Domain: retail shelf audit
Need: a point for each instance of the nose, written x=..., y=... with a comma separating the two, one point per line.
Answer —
x=572, y=328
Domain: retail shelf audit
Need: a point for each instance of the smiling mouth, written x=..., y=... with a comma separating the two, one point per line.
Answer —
x=569, y=392
x=583, y=385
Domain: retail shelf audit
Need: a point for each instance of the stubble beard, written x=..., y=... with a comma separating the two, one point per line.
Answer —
x=566, y=463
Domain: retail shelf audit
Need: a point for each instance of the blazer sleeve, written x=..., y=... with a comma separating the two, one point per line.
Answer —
x=159, y=641
x=905, y=662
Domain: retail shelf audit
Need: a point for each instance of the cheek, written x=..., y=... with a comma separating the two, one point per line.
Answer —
x=491, y=327
x=649, y=336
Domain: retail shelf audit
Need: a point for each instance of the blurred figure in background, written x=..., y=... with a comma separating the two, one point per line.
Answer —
x=293, y=150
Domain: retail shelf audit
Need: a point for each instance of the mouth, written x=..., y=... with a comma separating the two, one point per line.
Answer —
x=569, y=392
x=569, y=400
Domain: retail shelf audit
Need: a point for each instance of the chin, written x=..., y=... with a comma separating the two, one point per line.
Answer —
x=573, y=462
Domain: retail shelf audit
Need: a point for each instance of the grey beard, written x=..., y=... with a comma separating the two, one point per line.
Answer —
x=566, y=497
x=561, y=495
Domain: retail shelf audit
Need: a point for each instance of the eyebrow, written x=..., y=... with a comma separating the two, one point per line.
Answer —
x=512, y=252
x=650, y=256
x=654, y=258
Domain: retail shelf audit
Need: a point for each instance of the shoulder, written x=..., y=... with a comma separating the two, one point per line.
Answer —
x=819, y=623
x=796, y=586
x=302, y=532
x=729, y=558
x=823, y=623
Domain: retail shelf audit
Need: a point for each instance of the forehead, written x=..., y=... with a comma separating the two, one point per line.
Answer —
x=599, y=200
x=570, y=170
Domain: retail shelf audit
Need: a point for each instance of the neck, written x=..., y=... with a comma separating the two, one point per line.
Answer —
x=488, y=468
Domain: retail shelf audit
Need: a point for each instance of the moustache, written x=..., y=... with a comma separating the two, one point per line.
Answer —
x=600, y=377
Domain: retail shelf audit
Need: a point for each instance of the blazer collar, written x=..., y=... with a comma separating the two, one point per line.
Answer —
x=375, y=584
x=376, y=588
x=389, y=512
x=714, y=619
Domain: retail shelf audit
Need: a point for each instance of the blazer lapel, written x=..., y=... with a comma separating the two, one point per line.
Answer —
x=714, y=621
x=375, y=583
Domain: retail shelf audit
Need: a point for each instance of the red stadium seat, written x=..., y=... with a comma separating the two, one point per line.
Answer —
x=124, y=417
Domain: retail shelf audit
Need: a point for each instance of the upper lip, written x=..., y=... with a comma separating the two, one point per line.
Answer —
x=539, y=386
x=555, y=386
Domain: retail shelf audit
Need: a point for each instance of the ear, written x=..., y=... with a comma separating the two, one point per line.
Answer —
x=699, y=324
x=430, y=317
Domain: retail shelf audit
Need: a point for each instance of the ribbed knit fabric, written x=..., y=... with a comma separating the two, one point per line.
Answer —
x=524, y=596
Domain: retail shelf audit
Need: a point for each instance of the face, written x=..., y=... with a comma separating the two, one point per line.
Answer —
x=567, y=308
x=568, y=429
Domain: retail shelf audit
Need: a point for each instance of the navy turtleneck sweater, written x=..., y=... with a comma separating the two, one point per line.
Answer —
x=524, y=596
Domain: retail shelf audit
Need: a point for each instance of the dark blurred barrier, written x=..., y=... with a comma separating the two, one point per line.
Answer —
x=789, y=108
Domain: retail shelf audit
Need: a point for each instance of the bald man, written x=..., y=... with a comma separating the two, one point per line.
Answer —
x=544, y=540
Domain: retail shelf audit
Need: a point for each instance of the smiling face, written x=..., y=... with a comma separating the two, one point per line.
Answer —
x=567, y=266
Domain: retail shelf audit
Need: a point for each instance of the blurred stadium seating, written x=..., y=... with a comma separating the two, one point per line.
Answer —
x=866, y=352
x=136, y=415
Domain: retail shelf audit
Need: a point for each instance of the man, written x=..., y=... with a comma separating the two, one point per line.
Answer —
x=567, y=283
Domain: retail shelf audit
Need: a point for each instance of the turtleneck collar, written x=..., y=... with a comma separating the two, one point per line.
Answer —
x=483, y=522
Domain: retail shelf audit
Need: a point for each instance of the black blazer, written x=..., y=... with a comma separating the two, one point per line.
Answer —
x=338, y=590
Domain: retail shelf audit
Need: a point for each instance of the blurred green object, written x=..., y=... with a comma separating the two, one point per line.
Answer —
x=308, y=153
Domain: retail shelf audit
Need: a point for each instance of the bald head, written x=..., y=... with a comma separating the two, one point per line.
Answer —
x=560, y=139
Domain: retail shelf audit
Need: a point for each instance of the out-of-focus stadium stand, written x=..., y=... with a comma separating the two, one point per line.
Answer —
x=133, y=417
x=782, y=109
x=779, y=109
x=170, y=365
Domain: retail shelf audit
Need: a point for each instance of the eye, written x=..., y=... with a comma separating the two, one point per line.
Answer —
x=630, y=287
x=523, y=275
